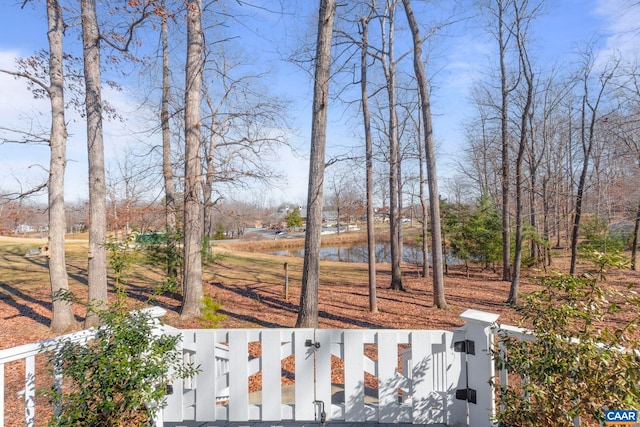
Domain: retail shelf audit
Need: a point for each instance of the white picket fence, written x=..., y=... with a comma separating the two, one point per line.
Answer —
x=414, y=376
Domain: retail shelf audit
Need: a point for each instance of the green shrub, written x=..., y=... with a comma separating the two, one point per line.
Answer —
x=120, y=377
x=597, y=237
x=168, y=256
x=219, y=233
x=576, y=367
x=293, y=219
x=211, y=306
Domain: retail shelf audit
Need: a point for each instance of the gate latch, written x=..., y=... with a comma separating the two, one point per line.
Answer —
x=309, y=343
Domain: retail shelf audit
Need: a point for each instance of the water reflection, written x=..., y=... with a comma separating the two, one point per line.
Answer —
x=358, y=253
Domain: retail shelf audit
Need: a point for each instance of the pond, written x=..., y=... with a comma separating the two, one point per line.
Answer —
x=358, y=253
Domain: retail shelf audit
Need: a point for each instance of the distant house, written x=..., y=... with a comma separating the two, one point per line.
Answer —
x=329, y=215
x=25, y=228
x=277, y=220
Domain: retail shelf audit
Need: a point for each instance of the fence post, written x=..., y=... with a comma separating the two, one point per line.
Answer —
x=480, y=367
x=286, y=281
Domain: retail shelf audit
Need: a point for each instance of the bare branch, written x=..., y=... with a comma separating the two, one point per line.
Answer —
x=10, y=197
x=26, y=76
x=27, y=137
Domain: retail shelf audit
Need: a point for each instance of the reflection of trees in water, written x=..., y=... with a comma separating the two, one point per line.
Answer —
x=358, y=253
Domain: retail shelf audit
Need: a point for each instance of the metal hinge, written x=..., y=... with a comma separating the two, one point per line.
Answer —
x=467, y=394
x=466, y=346
x=309, y=343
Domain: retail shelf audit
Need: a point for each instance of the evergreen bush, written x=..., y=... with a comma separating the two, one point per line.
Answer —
x=584, y=358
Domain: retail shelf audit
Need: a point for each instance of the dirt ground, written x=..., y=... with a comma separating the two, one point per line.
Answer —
x=251, y=289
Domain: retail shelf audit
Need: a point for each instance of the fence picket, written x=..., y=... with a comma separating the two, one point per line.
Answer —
x=1, y=394
x=387, y=376
x=422, y=375
x=238, y=376
x=205, y=360
x=323, y=371
x=354, y=376
x=271, y=375
x=30, y=390
x=304, y=375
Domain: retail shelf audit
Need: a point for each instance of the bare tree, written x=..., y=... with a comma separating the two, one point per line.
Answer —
x=521, y=26
x=62, y=314
x=625, y=130
x=423, y=207
x=240, y=127
x=366, y=119
x=482, y=157
x=308, y=311
x=97, y=268
x=130, y=186
x=388, y=62
x=590, y=109
x=504, y=137
x=502, y=32
x=432, y=178
x=192, y=286
x=167, y=166
x=344, y=194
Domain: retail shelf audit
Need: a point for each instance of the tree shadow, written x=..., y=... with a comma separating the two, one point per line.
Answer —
x=147, y=295
x=269, y=301
x=253, y=320
x=276, y=303
x=351, y=321
x=14, y=295
x=250, y=292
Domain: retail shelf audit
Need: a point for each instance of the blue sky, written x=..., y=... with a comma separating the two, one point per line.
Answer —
x=458, y=59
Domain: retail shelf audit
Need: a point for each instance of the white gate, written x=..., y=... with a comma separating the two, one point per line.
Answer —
x=380, y=376
x=307, y=375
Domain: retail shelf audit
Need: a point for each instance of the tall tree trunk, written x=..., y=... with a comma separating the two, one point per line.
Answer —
x=192, y=276
x=527, y=73
x=389, y=68
x=399, y=184
x=634, y=247
x=97, y=268
x=587, y=142
x=517, y=258
x=504, y=137
x=62, y=318
x=209, y=175
x=533, y=216
x=308, y=311
x=167, y=167
x=366, y=118
x=432, y=177
x=586, y=145
x=546, y=213
x=423, y=205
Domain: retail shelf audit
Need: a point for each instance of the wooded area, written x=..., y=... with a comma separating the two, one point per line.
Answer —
x=550, y=160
